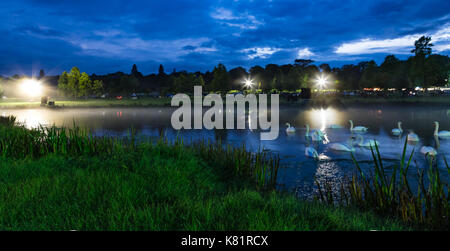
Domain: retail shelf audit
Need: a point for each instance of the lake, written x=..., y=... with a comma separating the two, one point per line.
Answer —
x=299, y=172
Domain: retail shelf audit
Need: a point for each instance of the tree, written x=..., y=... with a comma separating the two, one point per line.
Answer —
x=135, y=72
x=41, y=74
x=63, y=83
x=221, y=79
x=422, y=47
x=421, y=51
x=84, y=85
x=370, y=76
x=303, y=62
x=97, y=88
x=161, y=70
x=257, y=74
x=74, y=83
x=325, y=68
x=437, y=68
x=237, y=76
x=393, y=73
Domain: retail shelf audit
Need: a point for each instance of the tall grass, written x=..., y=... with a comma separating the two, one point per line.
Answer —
x=62, y=179
x=7, y=120
x=260, y=168
x=426, y=206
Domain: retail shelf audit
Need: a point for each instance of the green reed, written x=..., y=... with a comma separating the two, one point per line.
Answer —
x=260, y=167
x=20, y=142
x=390, y=194
x=7, y=120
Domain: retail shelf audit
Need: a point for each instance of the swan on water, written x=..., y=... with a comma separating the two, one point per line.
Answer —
x=428, y=150
x=315, y=135
x=357, y=128
x=413, y=137
x=319, y=132
x=368, y=143
x=289, y=128
x=440, y=134
x=399, y=130
x=341, y=147
x=311, y=152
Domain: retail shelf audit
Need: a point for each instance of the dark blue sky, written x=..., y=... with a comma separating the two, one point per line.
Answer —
x=110, y=35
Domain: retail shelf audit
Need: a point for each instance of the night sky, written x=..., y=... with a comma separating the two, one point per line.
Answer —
x=108, y=36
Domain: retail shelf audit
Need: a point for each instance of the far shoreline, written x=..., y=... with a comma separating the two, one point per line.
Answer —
x=322, y=101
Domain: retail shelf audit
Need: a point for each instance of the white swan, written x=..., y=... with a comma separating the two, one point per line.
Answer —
x=341, y=147
x=428, y=150
x=413, y=137
x=368, y=143
x=315, y=135
x=311, y=152
x=357, y=128
x=290, y=128
x=441, y=134
x=399, y=130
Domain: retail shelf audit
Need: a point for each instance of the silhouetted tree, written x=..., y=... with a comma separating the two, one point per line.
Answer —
x=421, y=51
x=41, y=74
x=221, y=79
x=161, y=70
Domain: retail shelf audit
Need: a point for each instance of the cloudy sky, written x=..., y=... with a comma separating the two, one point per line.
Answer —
x=108, y=36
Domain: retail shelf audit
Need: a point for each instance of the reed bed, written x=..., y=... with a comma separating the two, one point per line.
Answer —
x=63, y=179
x=390, y=193
x=260, y=168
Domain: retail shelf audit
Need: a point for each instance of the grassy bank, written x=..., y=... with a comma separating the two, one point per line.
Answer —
x=66, y=179
x=88, y=103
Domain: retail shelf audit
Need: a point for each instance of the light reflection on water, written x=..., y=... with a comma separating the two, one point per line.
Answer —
x=300, y=170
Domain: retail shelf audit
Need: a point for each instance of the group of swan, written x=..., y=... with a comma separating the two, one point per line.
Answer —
x=399, y=131
x=318, y=135
x=412, y=137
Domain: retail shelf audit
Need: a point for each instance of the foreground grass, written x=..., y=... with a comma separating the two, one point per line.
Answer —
x=79, y=184
x=157, y=192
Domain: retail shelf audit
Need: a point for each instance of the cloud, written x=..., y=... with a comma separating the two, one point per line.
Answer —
x=305, y=53
x=136, y=48
x=244, y=21
x=400, y=45
x=260, y=52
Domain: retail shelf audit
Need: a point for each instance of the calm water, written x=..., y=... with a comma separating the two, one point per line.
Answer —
x=300, y=170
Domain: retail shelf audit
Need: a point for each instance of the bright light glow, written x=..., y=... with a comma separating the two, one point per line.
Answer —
x=248, y=82
x=31, y=87
x=321, y=81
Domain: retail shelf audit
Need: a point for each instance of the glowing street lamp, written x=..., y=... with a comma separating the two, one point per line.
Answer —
x=321, y=81
x=248, y=82
x=31, y=87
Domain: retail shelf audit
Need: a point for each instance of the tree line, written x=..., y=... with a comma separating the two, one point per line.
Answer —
x=422, y=68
